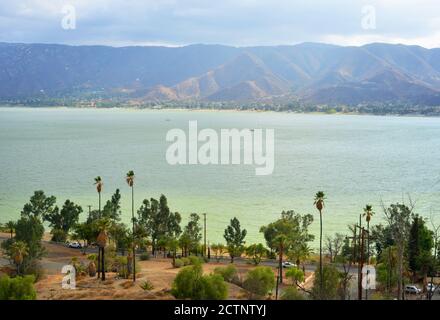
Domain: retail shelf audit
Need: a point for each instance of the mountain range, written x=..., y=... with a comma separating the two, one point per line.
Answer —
x=311, y=72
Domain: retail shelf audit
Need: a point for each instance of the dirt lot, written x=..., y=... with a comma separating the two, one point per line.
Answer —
x=158, y=271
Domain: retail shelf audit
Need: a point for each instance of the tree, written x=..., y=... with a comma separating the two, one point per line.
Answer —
x=10, y=225
x=190, y=283
x=30, y=230
x=63, y=220
x=18, y=288
x=39, y=205
x=256, y=252
x=368, y=213
x=99, y=184
x=296, y=275
x=398, y=217
x=158, y=222
x=18, y=251
x=334, y=245
x=289, y=234
x=319, y=203
x=84, y=231
x=259, y=282
x=192, y=232
x=130, y=181
x=103, y=226
x=234, y=237
x=325, y=286
x=112, y=208
x=420, y=246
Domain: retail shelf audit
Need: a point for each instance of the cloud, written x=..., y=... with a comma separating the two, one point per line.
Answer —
x=240, y=23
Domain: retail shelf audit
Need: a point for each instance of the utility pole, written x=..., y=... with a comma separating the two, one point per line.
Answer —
x=204, y=235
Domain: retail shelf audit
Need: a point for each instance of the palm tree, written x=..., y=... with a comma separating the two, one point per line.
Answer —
x=19, y=250
x=102, y=225
x=130, y=181
x=368, y=213
x=10, y=225
x=319, y=203
x=99, y=184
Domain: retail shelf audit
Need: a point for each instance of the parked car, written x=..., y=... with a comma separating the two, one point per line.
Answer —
x=287, y=264
x=75, y=245
x=412, y=290
x=431, y=287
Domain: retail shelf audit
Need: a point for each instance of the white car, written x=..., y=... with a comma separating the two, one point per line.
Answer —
x=431, y=287
x=75, y=245
x=287, y=264
x=412, y=289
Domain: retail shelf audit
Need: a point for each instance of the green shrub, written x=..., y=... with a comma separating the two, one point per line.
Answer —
x=19, y=288
x=259, y=281
x=147, y=285
x=144, y=256
x=186, y=261
x=190, y=283
x=228, y=273
x=214, y=287
x=92, y=257
x=178, y=263
x=330, y=283
x=193, y=260
x=291, y=293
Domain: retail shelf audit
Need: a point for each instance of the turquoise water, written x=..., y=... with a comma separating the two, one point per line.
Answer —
x=354, y=159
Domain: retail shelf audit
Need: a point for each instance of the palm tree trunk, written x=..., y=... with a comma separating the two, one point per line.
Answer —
x=103, y=265
x=320, y=253
x=280, y=263
x=134, y=243
x=99, y=262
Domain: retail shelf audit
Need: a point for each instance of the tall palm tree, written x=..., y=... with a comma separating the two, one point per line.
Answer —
x=319, y=204
x=103, y=225
x=368, y=213
x=19, y=250
x=10, y=225
x=130, y=181
x=99, y=184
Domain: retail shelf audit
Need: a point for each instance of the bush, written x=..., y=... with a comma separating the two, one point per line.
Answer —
x=191, y=284
x=144, y=256
x=214, y=287
x=228, y=273
x=292, y=293
x=193, y=260
x=259, y=281
x=19, y=288
x=178, y=263
x=330, y=283
x=147, y=285
x=186, y=261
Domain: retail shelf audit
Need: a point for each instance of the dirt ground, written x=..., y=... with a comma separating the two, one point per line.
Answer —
x=157, y=271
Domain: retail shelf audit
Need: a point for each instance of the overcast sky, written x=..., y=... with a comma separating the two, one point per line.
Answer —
x=230, y=22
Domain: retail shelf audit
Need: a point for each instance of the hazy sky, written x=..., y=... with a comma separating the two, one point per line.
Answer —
x=231, y=22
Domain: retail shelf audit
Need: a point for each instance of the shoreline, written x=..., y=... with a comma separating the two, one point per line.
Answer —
x=252, y=111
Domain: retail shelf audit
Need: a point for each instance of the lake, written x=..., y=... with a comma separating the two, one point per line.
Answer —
x=355, y=159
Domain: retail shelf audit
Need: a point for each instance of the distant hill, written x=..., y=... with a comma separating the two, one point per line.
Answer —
x=311, y=72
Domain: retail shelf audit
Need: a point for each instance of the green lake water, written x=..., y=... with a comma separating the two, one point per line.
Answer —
x=355, y=159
